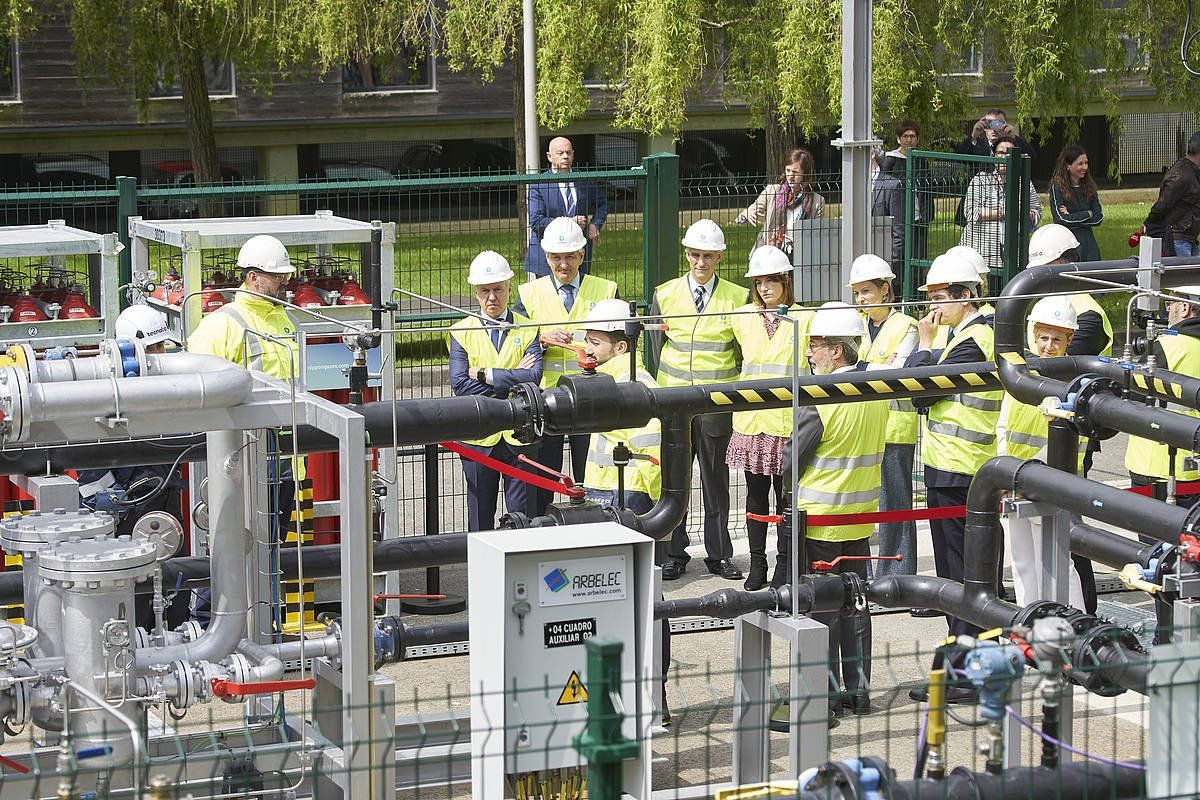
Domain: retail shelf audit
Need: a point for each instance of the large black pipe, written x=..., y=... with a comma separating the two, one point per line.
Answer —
x=950, y=597
x=1182, y=390
x=1075, y=781
x=1106, y=547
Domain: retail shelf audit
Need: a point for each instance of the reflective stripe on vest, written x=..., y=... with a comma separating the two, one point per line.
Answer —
x=764, y=356
x=843, y=476
x=251, y=342
x=476, y=341
x=1025, y=433
x=1148, y=458
x=698, y=348
x=961, y=429
x=544, y=306
x=1028, y=439
x=902, y=421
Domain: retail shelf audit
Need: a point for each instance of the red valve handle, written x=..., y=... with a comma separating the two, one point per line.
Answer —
x=584, y=360
x=1189, y=548
x=825, y=566
x=224, y=688
x=379, y=597
x=566, y=479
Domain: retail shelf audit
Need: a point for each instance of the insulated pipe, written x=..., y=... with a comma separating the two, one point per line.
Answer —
x=950, y=597
x=158, y=394
x=228, y=550
x=1162, y=384
x=100, y=367
x=1106, y=547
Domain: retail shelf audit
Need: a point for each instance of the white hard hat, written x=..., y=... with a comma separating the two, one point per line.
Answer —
x=1190, y=291
x=144, y=324
x=948, y=269
x=869, y=267
x=837, y=319
x=972, y=255
x=607, y=315
x=1049, y=242
x=768, y=260
x=1056, y=311
x=265, y=254
x=704, y=234
x=489, y=267
x=562, y=235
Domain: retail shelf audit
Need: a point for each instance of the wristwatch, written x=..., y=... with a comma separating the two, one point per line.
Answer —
x=481, y=375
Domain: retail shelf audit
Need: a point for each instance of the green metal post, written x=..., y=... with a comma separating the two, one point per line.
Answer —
x=907, y=289
x=1013, y=189
x=660, y=230
x=602, y=743
x=1026, y=208
x=126, y=208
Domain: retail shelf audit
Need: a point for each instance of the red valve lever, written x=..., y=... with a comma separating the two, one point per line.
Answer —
x=825, y=566
x=585, y=361
x=224, y=688
x=379, y=597
x=524, y=459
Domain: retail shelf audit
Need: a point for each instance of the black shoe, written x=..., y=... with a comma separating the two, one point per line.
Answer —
x=726, y=569
x=957, y=696
x=758, y=574
x=780, y=721
x=924, y=612
x=857, y=704
x=673, y=570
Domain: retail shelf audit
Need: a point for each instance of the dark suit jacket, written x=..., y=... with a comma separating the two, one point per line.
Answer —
x=546, y=203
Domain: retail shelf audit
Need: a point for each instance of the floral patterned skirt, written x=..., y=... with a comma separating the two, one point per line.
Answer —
x=761, y=453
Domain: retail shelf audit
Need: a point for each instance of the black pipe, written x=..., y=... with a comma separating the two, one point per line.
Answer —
x=950, y=597
x=1106, y=547
x=1074, y=781
x=1182, y=390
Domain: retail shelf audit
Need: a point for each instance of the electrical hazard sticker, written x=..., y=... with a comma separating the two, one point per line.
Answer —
x=569, y=631
x=574, y=692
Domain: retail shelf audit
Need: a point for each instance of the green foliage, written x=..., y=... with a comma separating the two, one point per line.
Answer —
x=663, y=63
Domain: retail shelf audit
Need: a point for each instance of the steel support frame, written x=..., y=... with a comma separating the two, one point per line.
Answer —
x=808, y=687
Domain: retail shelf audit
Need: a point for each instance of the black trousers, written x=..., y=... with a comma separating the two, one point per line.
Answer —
x=483, y=485
x=710, y=440
x=758, y=501
x=550, y=454
x=849, y=635
x=949, y=537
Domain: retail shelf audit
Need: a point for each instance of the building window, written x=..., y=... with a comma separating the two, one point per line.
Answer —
x=219, y=75
x=10, y=88
x=969, y=62
x=411, y=70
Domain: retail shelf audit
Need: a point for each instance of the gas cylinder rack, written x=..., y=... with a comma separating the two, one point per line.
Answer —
x=58, y=285
x=178, y=263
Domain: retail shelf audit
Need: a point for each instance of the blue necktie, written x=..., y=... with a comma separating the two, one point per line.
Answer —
x=495, y=333
x=568, y=296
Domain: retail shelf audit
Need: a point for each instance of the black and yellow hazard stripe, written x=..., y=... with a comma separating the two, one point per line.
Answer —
x=1156, y=386
x=294, y=591
x=862, y=389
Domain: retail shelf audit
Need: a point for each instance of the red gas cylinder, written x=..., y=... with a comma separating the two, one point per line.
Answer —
x=175, y=294
x=352, y=294
x=75, y=307
x=211, y=301
x=306, y=297
x=26, y=309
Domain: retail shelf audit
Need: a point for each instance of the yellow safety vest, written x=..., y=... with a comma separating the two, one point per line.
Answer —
x=1023, y=432
x=476, y=340
x=1148, y=458
x=640, y=475
x=843, y=475
x=764, y=357
x=960, y=431
x=1081, y=303
x=902, y=419
x=229, y=332
x=544, y=306
x=698, y=349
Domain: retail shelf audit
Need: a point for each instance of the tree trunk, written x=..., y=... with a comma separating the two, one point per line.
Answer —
x=197, y=114
x=780, y=139
x=518, y=115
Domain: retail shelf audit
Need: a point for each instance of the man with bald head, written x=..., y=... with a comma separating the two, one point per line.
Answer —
x=582, y=201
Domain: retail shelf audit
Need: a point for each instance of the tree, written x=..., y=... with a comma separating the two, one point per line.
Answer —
x=138, y=45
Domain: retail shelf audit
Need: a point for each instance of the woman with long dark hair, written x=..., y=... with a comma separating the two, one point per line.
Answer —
x=1074, y=200
x=791, y=199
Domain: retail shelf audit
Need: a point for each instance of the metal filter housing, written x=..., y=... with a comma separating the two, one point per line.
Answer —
x=96, y=561
x=28, y=533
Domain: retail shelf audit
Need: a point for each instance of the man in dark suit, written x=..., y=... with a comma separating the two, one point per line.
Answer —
x=582, y=201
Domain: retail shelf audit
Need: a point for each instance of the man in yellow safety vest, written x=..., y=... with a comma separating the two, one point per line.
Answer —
x=839, y=451
x=489, y=357
x=558, y=302
x=698, y=347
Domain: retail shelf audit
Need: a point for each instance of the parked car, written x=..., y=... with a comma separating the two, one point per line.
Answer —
x=365, y=204
x=181, y=175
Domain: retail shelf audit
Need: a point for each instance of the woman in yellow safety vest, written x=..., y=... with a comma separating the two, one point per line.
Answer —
x=1022, y=432
x=891, y=336
x=756, y=446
